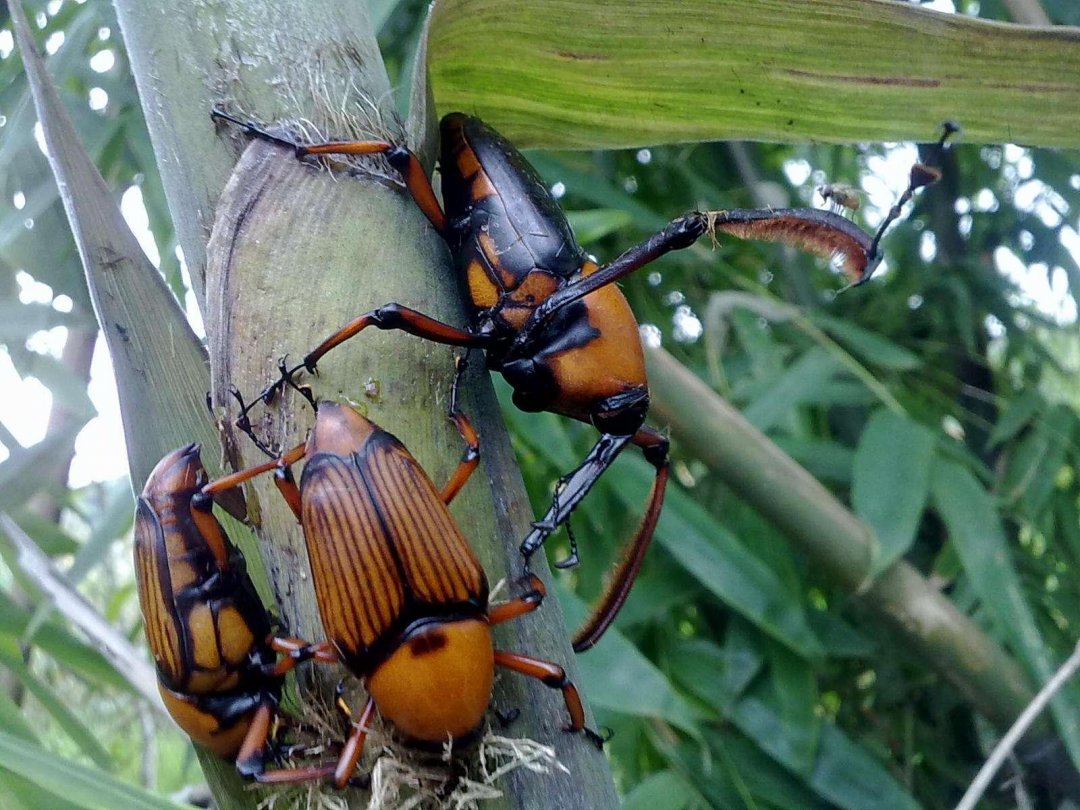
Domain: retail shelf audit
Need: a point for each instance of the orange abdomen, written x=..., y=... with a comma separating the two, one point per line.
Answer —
x=437, y=684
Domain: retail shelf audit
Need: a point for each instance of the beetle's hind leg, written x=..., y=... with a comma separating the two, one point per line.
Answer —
x=554, y=677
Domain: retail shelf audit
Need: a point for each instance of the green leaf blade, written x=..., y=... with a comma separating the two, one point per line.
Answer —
x=891, y=481
x=588, y=75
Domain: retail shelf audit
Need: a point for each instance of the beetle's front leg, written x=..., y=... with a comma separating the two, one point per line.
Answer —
x=470, y=458
x=574, y=487
x=403, y=160
x=655, y=447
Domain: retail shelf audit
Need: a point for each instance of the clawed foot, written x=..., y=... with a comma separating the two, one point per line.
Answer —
x=362, y=782
x=287, y=375
x=506, y=718
x=267, y=395
x=572, y=560
x=243, y=423
x=597, y=738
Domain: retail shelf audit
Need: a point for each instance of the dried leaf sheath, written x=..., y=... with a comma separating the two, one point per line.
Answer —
x=822, y=233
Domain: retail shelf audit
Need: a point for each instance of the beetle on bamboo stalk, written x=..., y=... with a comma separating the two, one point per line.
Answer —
x=402, y=597
x=216, y=657
x=550, y=319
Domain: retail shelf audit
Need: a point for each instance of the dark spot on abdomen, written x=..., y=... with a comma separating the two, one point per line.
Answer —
x=427, y=643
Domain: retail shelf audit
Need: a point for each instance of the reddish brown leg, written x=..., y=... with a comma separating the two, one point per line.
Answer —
x=354, y=746
x=286, y=484
x=252, y=753
x=389, y=316
x=396, y=316
x=553, y=676
x=412, y=172
x=297, y=651
x=626, y=571
x=471, y=457
x=250, y=760
x=526, y=603
x=340, y=770
x=237, y=478
x=280, y=776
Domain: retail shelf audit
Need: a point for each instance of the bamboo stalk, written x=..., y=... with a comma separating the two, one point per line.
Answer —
x=295, y=253
x=835, y=541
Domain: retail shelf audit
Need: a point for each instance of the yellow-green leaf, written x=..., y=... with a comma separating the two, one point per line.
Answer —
x=561, y=73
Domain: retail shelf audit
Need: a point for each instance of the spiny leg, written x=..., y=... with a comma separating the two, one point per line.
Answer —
x=470, y=458
x=575, y=486
x=823, y=233
x=622, y=577
x=404, y=162
x=572, y=559
x=554, y=677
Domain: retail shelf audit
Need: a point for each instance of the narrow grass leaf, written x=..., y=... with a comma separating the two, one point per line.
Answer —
x=559, y=73
x=811, y=372
x=842, y=773
x=663, y=790
x=619, y=678
x=975, y=529
x=80, y=734
x=76, y=784
x=724, y=565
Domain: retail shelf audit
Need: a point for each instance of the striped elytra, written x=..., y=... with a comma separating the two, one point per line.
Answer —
x=205, y=626
x=385, y=552
x=402, y=596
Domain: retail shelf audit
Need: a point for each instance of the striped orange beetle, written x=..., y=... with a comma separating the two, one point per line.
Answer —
x=402, y=596
x=208, y=632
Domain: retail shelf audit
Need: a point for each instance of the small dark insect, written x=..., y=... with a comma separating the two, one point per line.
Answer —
x=841, y=195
